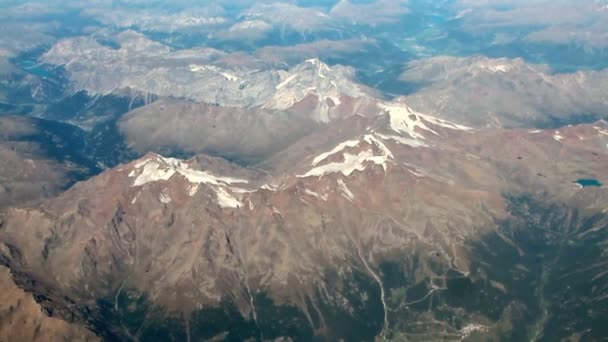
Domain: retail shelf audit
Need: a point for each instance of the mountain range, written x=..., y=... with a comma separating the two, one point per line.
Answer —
x=387, y=223
x=319, y=170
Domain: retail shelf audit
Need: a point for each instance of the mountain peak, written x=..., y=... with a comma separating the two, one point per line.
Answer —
x=155, y=168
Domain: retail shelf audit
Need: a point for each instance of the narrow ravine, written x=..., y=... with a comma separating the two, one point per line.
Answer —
x=547, y=269
x=539, y=325
x=382, y=293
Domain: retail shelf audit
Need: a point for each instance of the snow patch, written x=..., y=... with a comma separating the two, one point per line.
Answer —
x=250, y=25
x=402, y=140
x=229, y=76
x=340, y=147
x=346, y=193
x=276, y=211
x=416, y=173
x=318, y=63
x=226, y=200
x=370, y=139
x=198, y=68
x=284, y=83
x=405, y=120
x=499, y=68
x=600, y=130
x=160, y=168
x=351, y=161
x=270, y=187
x=557, y=136
x=203, y=68
x=151, y=172
x=193, y=189
x=164, y=198
x=311, y=193
x=350, y=164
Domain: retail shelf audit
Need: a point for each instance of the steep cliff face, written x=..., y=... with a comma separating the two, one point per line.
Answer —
x=400, y=227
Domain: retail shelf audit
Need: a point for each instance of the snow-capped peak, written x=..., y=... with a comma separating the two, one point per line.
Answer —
x=158, y=168
x=316, y=78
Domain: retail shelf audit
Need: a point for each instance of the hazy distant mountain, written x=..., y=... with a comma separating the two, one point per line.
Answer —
x=149, y=67
x=503, y=92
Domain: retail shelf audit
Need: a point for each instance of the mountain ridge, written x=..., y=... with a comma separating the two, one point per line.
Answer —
x=394, y=201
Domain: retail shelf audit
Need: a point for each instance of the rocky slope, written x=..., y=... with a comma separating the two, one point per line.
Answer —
x=22, y=319
x=399, y=225
x=30, y=172
x=244, y=135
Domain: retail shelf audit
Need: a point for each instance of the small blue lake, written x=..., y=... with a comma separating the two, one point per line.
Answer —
x=585, y=182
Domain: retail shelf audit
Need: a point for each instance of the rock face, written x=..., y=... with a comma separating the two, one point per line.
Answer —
x=398, y=225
